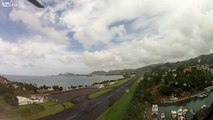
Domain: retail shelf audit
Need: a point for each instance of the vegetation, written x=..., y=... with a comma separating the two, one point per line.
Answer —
x=204, y=59
x=178, y=81
x=57, y=88
x=68, y=105
x=166, y=81
x=118, y=109
x=106, y=81
x=44, y=87
x=11, y=99
x=126, y=75
x=26, y=87
x=101, y=92
x=32, y=111
x=50, y=107
x=8, y=94
x=108, y=88
x=139, y=101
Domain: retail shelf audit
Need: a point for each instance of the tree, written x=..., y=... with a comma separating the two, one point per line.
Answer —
x=166, y=90
x=11, y=99
x=44, y=87
x=126, y=75
x=55, y=87
x=73, y=87
x=60, y=88
x=178, y=91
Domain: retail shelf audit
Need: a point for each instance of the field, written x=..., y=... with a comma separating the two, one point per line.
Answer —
x=108, y=88
x=118, y=109
x=31, y=112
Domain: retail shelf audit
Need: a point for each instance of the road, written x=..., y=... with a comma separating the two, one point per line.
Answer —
x=90, y=109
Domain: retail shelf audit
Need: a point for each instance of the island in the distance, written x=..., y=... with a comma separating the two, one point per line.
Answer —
x=68, y=74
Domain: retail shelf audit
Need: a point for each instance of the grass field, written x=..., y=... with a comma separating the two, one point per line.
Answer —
x=108, y=88
x=118, y=109
x=68, y=105
x=31, y=112
x=101, y=92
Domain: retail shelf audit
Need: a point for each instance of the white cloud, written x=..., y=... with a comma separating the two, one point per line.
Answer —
x=34, y=22
x=33, y=56
x=148, y=31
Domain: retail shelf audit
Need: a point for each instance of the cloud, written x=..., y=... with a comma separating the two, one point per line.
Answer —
x=34, y=23
x=33, y=56
x=91, y=19
x=179, y=33
x=134, y=33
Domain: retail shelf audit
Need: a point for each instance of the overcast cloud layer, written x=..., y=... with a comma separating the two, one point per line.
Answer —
x=84, y=35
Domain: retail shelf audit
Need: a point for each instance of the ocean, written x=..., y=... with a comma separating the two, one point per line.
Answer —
x=61, y=80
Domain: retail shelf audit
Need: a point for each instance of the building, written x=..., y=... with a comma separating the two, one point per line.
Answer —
x=32, y=100
x=155, y=110
x=14, y=85
x=99, y=85
x=111, y=83
x=188, y=69
x=24, y=100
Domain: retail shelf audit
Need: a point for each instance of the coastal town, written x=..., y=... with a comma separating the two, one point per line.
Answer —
x=180, y=96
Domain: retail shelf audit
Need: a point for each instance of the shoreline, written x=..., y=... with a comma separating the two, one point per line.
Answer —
x=63, y=81
x=185, y=99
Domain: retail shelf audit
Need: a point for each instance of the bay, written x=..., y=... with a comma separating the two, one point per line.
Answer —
x=194, y=104
x=61, y=80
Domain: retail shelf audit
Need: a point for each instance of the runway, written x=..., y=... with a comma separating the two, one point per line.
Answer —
x=90, y=109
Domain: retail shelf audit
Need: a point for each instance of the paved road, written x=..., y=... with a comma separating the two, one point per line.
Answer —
x=73, y=95
x=90, y=109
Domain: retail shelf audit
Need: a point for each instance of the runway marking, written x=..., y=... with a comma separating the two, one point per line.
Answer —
x=72, y=117
x=109, y=95
x=95, y=104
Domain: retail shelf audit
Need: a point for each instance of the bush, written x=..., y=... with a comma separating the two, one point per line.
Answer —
x=166, y=90
x=11, y=99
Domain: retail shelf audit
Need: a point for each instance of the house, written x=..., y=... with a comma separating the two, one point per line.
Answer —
x=24, y=100
x=208, y=88
x=155, y=110
x=174, y=75
x=203, y=67
x=111, y=83
x=172, y=98
x=211, y=68
x=99, y=85
x=188, y=69
x=38, y=99
x=14, y=85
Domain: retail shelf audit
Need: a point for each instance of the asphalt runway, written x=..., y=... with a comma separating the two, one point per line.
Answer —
x=90, y=109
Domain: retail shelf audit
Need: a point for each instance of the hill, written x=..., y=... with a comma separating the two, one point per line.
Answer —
x=202, y=59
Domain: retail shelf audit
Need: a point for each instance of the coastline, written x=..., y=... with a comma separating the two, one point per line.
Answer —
x=184, y=99
x=61, y=80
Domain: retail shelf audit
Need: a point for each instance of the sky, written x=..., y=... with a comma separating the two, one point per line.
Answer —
x=82, y=36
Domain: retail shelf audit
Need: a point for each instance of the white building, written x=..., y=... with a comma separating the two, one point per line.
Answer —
x=211, y=70
x=99, y=86
x=111, y=83
x=154, y=109
x=24, y=100
x=32, y=100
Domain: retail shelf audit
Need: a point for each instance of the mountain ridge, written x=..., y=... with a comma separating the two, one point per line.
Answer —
x=202, y=59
